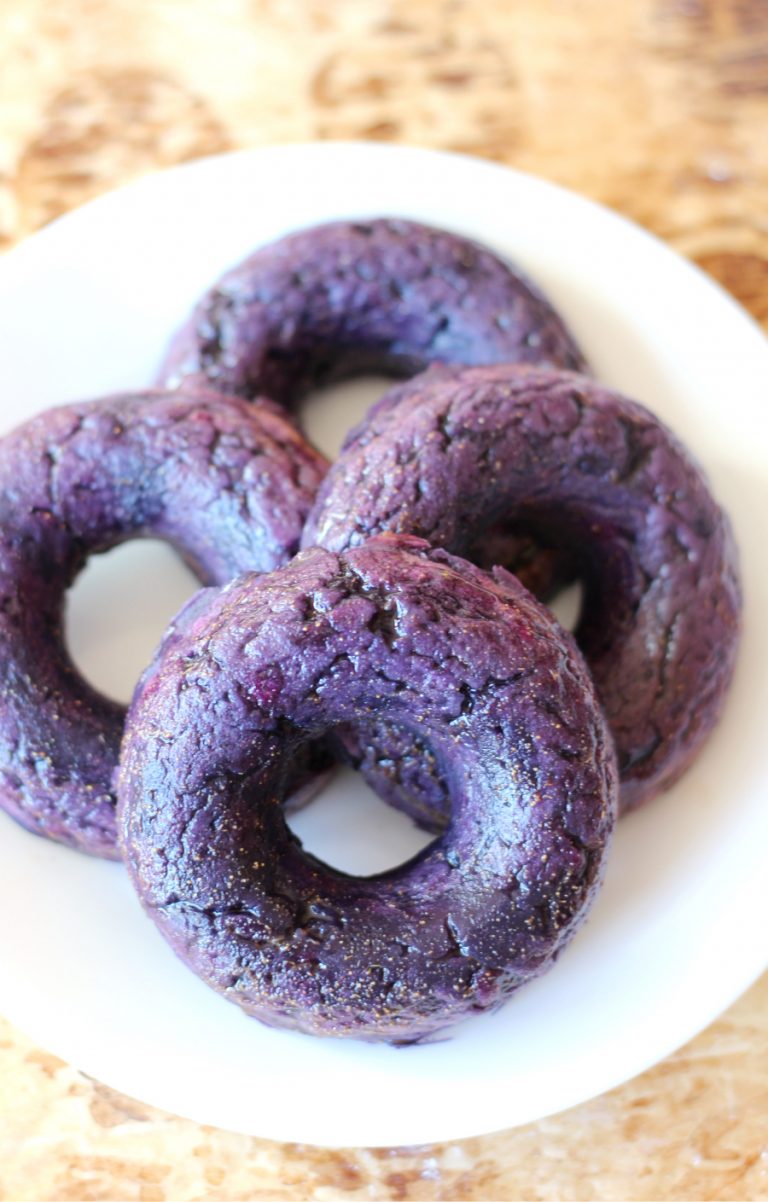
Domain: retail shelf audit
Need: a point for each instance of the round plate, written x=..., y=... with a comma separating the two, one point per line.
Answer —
x=679, y=930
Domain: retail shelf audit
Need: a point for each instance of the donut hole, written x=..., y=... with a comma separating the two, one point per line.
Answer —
x=567, y=604
x=542, y=560
x=329, y=412
x=118, y=609
x=352, y=830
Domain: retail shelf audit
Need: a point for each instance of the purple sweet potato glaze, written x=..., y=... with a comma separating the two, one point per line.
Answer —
x=353, y=296
x=226, y=483
x=391, y=628
x=553, y=455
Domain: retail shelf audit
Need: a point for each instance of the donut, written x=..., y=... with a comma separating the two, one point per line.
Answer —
x=226, y=483
x=501, y=694
x=554, y=455
x=354, y=296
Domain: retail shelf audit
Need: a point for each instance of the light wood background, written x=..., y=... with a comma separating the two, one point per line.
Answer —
x=658, y=108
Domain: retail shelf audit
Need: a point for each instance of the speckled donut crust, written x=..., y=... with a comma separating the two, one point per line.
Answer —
x=579, y=467
x=396, y=628
x=355, y=296
x=228, y=484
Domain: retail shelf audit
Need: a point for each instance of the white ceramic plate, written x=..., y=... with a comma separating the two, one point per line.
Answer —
x=680, y=928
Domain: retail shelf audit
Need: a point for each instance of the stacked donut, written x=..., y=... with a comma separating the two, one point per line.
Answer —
x=376, y=610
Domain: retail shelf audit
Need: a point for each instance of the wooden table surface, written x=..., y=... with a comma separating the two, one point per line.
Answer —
x=658, y=108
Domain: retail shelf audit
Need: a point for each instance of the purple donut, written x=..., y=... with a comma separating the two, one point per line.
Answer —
x=555, y=456
x=352, y=296
x=498, y=690
x=226, y=483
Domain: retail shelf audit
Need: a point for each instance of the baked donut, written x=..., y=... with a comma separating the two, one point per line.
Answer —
x=226, y=483
x=353, y=296
x=389, y=628
x=555, y=456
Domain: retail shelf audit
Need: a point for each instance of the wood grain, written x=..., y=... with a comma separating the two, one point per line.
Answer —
x=658, y=108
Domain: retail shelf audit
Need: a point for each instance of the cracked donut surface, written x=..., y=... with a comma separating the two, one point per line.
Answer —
x=457, y=452
x=500, y=692
x=354, y=296
x=226, y=483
